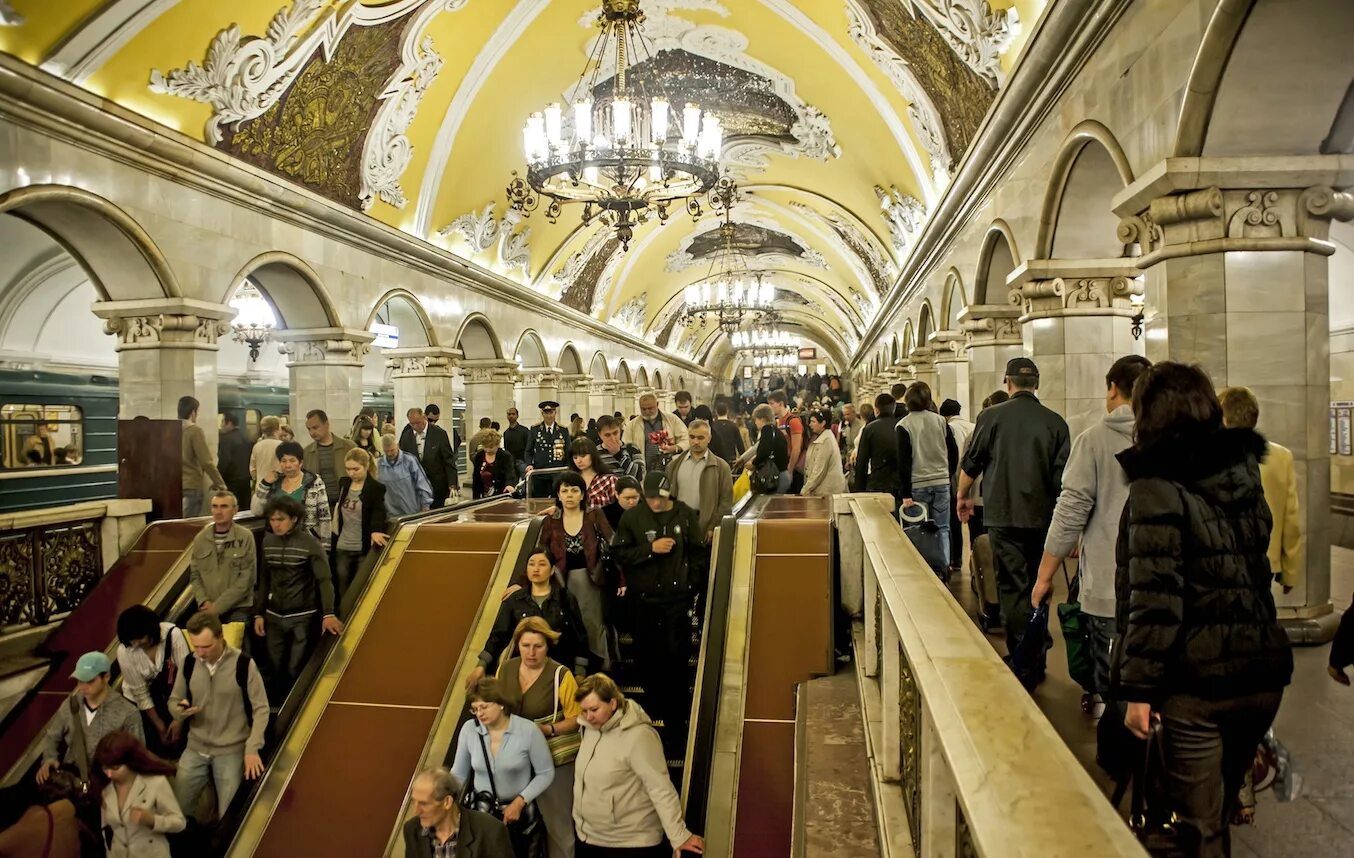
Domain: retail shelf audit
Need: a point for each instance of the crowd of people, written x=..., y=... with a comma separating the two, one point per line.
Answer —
x=1180, y=516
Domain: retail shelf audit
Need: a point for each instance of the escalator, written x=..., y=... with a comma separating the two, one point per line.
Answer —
x=387, y=690
x=153, y=572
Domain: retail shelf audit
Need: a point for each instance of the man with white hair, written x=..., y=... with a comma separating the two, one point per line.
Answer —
x=407, y=486
x=441, y=828
x=659, y=434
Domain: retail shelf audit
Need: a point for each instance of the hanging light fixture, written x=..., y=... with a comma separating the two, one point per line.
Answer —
x=626, y=154
x=731, y=294
x=254, y=319
x=763, y=339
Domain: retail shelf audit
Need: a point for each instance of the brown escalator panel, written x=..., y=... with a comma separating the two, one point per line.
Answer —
x=791, y=588
x=93, y=626
x=371, y=733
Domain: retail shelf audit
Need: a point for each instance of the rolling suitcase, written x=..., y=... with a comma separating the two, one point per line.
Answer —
x=983, y=580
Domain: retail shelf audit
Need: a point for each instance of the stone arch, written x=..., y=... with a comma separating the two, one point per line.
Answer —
x=623, y=374
x=1254, y=57
x=569, y=362
x=642, y=377
x=530, y=350
x=658, y=380
x=998, y=258
x=1077, y=220
x=907, y=342
x=407, y=313
x=598, y=368
x=477, y=340
x=925, y=322
x=954, y=288
x=681, y=383
x=121, y=260
x=293, y=288
x=893, y=349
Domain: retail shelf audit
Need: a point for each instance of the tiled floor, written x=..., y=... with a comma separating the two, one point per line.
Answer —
x=1316, y=723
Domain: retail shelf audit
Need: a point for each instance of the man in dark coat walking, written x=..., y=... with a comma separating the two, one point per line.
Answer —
x=431, y=446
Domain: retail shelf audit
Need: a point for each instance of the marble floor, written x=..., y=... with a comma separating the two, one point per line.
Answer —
x=1315, y=722
x=838, y=812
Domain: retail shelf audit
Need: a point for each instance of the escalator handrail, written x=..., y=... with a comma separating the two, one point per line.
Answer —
x=224, y=834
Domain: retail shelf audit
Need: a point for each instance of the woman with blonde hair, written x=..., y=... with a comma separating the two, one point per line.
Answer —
x=492, y=471
x=359, y=518
x=263, y=458
x=539, y=688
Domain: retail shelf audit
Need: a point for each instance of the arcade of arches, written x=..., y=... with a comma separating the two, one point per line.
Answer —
x=933, y=187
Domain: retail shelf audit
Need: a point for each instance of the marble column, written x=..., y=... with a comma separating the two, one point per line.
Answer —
x=993, y=338
x=423, y=375
x=166, y=349
x=951, y=362
x=627, y=399
x=535, y=385
x=602, y=397
x=667, y=400
x=1236, y=256
x=324, y=369
x=1076, y=320
x=924, y=367
x=574, y=393
x=489, y=390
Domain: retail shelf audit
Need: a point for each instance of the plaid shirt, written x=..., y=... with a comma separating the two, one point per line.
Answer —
x=602, y=491
x=442, y=850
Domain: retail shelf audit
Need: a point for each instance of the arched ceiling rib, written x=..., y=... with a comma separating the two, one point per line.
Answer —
x=424, y=100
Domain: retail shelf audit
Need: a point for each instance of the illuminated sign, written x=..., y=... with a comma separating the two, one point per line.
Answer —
x=387, y=336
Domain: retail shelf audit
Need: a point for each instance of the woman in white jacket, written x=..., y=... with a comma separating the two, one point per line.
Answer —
x=138, y=803
x=823, y=474
x=623, y=796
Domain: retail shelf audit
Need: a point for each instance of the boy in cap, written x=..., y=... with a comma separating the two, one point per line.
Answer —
x=87, y=716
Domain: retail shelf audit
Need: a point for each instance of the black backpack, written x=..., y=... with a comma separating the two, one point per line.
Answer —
x=241, y=679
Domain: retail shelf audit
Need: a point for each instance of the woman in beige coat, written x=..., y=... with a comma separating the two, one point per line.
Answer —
x=823, y=474
x=138, y=803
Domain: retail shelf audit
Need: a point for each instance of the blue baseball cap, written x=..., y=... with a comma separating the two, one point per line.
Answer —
x=90, y=665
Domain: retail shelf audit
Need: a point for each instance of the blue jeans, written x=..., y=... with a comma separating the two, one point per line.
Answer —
x=226, y=772
x=936, y=499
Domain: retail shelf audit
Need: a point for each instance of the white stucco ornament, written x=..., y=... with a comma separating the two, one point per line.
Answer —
x=480, y=231
x=904, y=215
x=9, y=16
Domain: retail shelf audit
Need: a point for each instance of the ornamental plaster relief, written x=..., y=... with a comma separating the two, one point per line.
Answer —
x=905, y=216
x=480, y=231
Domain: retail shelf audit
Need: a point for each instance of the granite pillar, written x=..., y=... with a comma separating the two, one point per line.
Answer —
x=489, y=391
x=627, y=400
x=993, y=338
x=423, y=375
x=535, y=385
x=324, y=369
x=574, y=391
x=601, y=398
x=951, y=362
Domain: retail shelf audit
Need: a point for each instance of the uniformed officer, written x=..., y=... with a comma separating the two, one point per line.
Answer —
x=547, y=447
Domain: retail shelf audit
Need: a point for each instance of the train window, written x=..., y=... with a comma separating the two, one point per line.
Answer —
x=41, y=436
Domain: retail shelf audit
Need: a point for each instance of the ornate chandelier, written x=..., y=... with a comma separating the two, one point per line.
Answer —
x=254, y=318
x=627, y=155
x=731, y=294
x=774, y=361
x=763, y=340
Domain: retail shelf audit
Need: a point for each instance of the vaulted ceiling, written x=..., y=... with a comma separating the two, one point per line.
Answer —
x=843, y=120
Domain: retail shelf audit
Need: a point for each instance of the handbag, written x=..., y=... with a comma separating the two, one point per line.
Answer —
x=766, y=477
x=563, y=746
x=489, y=802
x=1077, y=636
x=1159, y=830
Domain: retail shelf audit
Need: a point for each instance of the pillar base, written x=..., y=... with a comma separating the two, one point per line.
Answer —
x=1309, y=629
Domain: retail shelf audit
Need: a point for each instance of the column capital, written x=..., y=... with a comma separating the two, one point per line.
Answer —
x=991, y=325
x=489, y=371
x=331, y=346
x=422, y=360
x=626, y=389
x=540, y=376
x=947, y=346
x=1196, y=206
x=165, y=323
x=603, y=385
x=921, y=357
x=1047, y=288
x=575, y=383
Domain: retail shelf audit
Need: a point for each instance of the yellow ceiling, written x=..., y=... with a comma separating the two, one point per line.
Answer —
x=502, y=59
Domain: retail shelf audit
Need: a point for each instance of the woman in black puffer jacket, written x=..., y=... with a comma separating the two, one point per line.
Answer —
x=1199, y=645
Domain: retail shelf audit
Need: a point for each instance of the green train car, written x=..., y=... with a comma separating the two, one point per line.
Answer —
x=58, y=433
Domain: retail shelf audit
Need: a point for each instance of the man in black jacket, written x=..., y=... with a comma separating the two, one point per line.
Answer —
x=232, y=458
x=1019, y=448
x=877, y=451
x=654, y=544
x=431, y=446
x=443, y=827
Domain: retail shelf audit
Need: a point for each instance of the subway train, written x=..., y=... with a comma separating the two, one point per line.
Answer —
x=74, y=458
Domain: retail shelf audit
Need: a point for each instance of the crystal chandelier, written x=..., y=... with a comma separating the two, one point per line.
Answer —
x=625, y=156
x=731, y=294
x=763, y=340
x=254, y=318
x=774, y=361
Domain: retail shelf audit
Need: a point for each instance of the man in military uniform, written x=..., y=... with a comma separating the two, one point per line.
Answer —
x=547, y=447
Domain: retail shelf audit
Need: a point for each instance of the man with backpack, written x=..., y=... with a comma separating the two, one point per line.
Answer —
x=223, y=701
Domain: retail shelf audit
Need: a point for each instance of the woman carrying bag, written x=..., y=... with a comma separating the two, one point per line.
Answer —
x=511, y=763
x=541, y=689
x=359, y=519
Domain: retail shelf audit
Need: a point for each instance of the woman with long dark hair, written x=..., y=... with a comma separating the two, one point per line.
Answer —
x=1200, y=650
x=364, y=436
x=139, y=807
x=575, y=535
x=599, y=482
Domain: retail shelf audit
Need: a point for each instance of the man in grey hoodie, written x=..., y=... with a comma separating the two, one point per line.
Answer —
x=1094, y=490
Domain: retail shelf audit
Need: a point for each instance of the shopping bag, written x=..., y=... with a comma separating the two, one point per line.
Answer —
x=1028, y=656
x=741, y=486
x=1077, y=637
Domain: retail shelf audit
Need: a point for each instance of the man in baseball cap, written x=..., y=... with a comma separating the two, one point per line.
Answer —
x=1019, y=448
x=88, y=715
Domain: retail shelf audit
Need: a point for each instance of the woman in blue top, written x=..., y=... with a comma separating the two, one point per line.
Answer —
x=510, y=760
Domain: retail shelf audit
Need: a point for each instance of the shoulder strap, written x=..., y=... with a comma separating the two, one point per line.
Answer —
x=554, y=716
x=242, y=680
x=488, y=763
x=188, y=665
x=78, y=744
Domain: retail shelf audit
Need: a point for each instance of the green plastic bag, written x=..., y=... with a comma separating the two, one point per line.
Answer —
x=1077, y=637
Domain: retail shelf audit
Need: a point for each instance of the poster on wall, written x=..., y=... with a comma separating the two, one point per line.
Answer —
x=1333, y=433
x=1342, y=421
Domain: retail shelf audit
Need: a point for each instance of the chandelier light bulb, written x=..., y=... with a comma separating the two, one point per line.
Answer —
x=658, y=120
x=620, y=121
x=554, y=125
x=536, y=145
x=691, y=124
x=583, y=120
